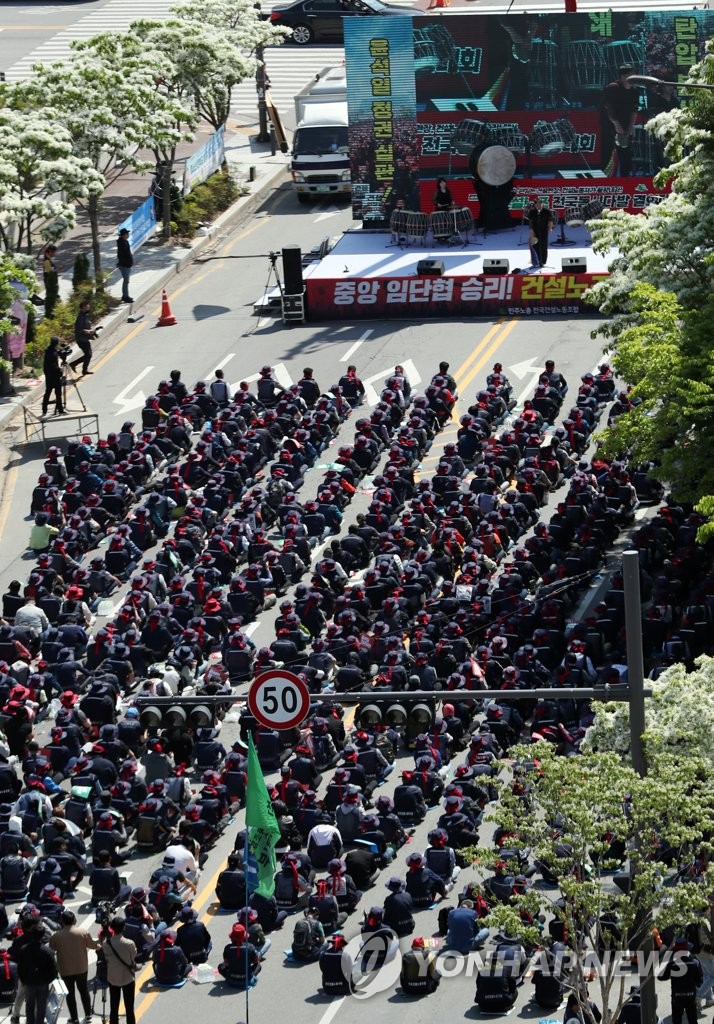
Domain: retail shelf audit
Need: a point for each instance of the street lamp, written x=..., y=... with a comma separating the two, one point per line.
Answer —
x=650, y=80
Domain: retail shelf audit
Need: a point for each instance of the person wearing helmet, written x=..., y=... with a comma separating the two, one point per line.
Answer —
x=418, y=975
x=440, y=857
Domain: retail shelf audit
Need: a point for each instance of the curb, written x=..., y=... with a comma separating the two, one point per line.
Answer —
x=244, y=206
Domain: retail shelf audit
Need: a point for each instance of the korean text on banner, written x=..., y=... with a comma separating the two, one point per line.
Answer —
x=141, y=224
x=263, y=830
x=205, y=161
x=17, y=339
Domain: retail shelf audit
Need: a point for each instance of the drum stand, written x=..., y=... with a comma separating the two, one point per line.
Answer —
x=562, y=240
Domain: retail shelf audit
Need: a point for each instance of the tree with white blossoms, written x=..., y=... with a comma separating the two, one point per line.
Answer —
x=206, y=64
x=579, y=816
x=660, y=297
x=238, y=20
x=105, y=108
x=679, y=717
x=163, y=115
x=40, y=176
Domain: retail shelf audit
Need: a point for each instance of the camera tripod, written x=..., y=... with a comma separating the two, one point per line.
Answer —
x=69, y=380
x=100, y=984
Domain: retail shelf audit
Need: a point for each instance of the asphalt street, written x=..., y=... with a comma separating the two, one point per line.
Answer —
x=25, y=26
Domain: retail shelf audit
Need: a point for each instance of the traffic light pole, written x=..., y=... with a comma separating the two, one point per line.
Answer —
x=260, y=86
x=601, y=693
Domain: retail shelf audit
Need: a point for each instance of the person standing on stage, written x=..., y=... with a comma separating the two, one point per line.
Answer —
x=541, y=224
x=52, y=369
x=619, y=102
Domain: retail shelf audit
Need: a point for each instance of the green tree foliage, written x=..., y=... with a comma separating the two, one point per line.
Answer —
x=659, y=295
x=568, y=811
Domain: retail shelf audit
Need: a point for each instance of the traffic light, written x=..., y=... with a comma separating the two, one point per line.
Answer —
x=408, y=717
x=183, y=713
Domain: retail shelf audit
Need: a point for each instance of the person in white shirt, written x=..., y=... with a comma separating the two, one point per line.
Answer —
x=30, y=617
x=184, y=860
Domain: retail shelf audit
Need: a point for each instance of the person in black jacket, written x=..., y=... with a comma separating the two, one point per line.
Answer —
x=52, y=369
x=684, y=981
x=125, y=261
x=37, y=969
x=193, y=937
x=398, y=908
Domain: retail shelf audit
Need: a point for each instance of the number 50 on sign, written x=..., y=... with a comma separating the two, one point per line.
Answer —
x=279, y=700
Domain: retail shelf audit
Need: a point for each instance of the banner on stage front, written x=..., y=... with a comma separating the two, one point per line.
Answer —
x=483, y=295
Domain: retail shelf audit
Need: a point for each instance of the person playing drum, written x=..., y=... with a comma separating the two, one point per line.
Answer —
x=620, y=103
x=443, y=199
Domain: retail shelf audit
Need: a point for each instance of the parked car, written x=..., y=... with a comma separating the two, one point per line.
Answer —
x=321, y=20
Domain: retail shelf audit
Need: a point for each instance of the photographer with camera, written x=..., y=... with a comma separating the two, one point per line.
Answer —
x=54, y=359
x=70, y=944
x=84, y=334
x=120, y=956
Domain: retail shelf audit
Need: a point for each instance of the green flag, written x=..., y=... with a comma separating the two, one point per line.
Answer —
x=261, y=828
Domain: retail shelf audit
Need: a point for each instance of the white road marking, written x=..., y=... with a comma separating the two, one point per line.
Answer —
x=279, y=372
x=223, y=362
x=129, y=401
x=353, y=348
x=331, y=211
x=371, y=394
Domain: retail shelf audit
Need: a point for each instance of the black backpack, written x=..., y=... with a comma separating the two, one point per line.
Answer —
x=305, y=940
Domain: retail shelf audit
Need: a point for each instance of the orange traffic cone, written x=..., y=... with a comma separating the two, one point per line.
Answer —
x=167, y=319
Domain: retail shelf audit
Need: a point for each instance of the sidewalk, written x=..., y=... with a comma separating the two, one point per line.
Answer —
x=156, y=265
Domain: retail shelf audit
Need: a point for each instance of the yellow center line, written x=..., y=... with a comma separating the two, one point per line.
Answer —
x=118, y=347
x=148, y=971
x=481, y=345
x=505, y=331
x=7, y=493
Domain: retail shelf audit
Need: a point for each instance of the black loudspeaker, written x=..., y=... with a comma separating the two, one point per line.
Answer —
x=430, y=268
x=292, y=270
x=574, y=265
x=496, y=266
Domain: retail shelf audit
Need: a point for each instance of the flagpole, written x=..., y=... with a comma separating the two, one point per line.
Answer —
x=247, y=897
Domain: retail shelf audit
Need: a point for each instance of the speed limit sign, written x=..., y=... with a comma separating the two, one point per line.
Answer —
x=279, y=700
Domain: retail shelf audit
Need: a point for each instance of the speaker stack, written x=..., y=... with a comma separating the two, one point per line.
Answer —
x=496, y=266
x=430, y=268
x=293, y=300
x=574, y=265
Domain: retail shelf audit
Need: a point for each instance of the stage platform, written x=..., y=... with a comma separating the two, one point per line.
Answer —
x=368, y=254
x=370, y=274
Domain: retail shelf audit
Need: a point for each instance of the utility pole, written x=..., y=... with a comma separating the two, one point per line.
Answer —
x=261, y=84
x=636, y=683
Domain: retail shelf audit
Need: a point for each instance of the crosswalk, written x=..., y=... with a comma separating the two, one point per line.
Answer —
x=289, y=68
x=116, y=16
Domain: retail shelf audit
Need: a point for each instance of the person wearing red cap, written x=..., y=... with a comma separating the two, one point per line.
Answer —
x=335, y=966
x=169, y=961
x=241, y=960
x=418, y=975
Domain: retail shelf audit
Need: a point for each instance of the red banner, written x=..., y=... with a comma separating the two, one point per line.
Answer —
x=631, y=194
x=418, y=297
